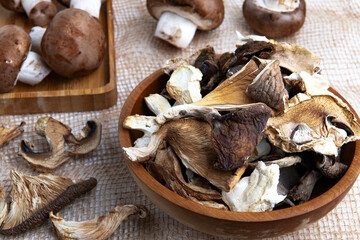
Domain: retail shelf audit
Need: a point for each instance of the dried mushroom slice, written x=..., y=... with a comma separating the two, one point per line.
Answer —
x=256, y=193
x=331, y=167
x=98, y=228
x=184, y=84
x=261, y=49
x=236, y=135
x=157, y=103
x=3, y=206
x=268, y=87
x=146, y=124
x=33, y=197
x=322, y=124
x=61, y=142
x=302, y=191
x=7, y=134
x=233, y=89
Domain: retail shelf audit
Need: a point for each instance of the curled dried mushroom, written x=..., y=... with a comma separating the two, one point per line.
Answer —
x=7, y=134
x=95, y=229
x=63, y=144
x=262, y=134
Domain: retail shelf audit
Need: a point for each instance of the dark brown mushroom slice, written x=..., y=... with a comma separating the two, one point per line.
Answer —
x=236, y=135
x=250, y=49
x=226, y=60
x=302, y=192
x=330, y=166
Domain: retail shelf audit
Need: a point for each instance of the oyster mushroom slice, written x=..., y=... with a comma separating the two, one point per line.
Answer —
x=184, y=84
x=268, y=87
x=329, y=125
x=256, y=193
x=61, y=142
x=98, y=228
x=7, y=134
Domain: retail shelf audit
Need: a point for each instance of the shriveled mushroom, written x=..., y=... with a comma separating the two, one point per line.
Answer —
x=268, y=87
x=17, y=62
x=3, y=206
x=74, y=43
x=34, y=197
x=184, y=84
x=157, y=103
x=275, y=18
x=7, y=134
x=256, y=193
x=40, y=12
x=61, y=142
x=282, y=162
x=95, y=229
x=146, y=124
x=302, y=192
x=322, y=124
x=178, y=20
x=331, y=167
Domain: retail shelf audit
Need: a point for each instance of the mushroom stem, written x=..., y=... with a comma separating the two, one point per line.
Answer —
x=90, y=6
x=36, y=35
x=40, y=12
x=281, y=5
x=175, y=29
x=33, y=70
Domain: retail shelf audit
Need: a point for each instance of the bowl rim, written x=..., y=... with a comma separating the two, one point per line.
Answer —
x=137, y=169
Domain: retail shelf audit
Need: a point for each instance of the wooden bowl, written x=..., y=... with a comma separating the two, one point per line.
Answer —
x=326, y=195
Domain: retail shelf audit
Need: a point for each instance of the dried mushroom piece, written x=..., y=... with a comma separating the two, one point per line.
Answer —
x=282, y=162
x=256, y=193
x=268, y=87
x=331, y=167
x=184, y=84
x=61, y=142
x=157, y=103
x=99, y=228
x=321, y=124
x=33, y=197
x=3, y=206
x=302, y=192
x=146, y=124
x=250, y=49
x=7, y=134
x=236, y=135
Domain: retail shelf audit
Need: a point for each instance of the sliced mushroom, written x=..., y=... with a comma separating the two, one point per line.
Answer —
x=33, y=197
x=268, y=87
x=302, y=192
x=7, y=134
x=58, y=135
x=325, y=125
x=256, y=193
x=3, y=206
x=157, y=103
x=95, y=229
x=282, y=162
x=331, y=167
x=146, y=124
x=184, y=84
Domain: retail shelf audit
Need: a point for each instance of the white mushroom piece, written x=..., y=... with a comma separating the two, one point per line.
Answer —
x=91, y=6
x=256, y=193
x=178, y=20
x=95, y=229
x=17, y=62
x=74, y=43
x=275, y=18
x=40, y=12
x=63, y=144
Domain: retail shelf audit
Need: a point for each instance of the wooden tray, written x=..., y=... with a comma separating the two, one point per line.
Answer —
x=56, y=94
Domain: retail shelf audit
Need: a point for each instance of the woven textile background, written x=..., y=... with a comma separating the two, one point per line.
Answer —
x=331, y=29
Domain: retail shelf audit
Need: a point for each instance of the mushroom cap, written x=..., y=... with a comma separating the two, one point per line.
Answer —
x=207, y=15
x=13, y=5
x=42, y=13
x=74, y=43
x=14, y=44
x=274, y=23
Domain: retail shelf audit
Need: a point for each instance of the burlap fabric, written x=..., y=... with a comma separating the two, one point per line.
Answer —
x=331, y=30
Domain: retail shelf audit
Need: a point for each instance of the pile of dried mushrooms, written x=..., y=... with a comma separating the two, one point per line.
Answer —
x=251, y=130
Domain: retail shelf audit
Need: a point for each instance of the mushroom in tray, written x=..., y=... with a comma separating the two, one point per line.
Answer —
x=63, y=144
x=17, y=62
x=275, y=18
x=40, y=12
x=178, y=20
x=74, y=43
x=91, y=6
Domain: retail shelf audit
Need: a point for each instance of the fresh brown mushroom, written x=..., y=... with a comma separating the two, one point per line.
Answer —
x=17, y=62
x=62, y=143
x=91, y=6
x=275, y=18
x=178, y=20
x=40, y=12
x=95, y=229
x=74, y=43
x=34, y=197
x=7, y=134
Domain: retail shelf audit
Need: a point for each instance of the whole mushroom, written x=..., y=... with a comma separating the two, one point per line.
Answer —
x=17, y=62
x=179, y=19
x=74, y=43
x=275, y=18
x=40, y=12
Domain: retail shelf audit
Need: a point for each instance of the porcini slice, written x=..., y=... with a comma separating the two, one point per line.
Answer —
x=157, y=103
x=7, y=134
x=98, y=228
x=146, y=124
x=33, y=197
x=325, y=124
